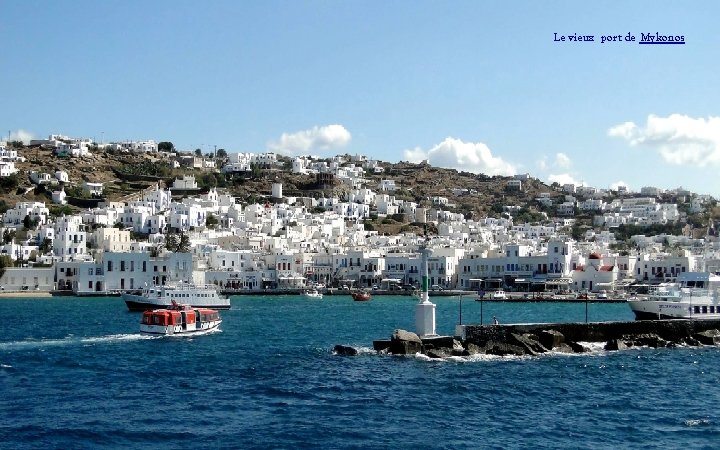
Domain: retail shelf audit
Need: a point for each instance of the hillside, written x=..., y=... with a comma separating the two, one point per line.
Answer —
x=415, y=182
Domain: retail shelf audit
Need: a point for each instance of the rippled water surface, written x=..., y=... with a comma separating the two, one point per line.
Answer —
x=74, y=373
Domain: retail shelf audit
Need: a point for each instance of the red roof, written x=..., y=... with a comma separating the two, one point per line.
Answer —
x=595, y=255
x=606, y=268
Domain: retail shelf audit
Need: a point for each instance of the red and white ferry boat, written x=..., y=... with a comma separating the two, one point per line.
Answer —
x=180, y=319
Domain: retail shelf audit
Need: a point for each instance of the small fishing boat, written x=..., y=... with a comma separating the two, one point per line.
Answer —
x=179, y=319
x=313, y=293
x=361, y=296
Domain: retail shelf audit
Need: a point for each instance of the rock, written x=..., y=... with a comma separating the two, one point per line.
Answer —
x=436, y=354
x=578, y=348
x=529, y=342
x=403, y=335
x=460, y=352
x=473, y=349
x=381, y=345
x=502, y=349
x=649, y=340
x=550, y=338
x=709, y=337
x=563, y=348
x=345, y=350
x=615, y=344
x=405, y=343
x=457, y=346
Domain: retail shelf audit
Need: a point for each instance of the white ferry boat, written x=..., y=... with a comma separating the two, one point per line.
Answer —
x=180, y=319
x=694, y=296
x=163, y=296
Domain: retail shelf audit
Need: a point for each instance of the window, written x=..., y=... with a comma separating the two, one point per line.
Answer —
x=122, y=266
x=144, y=266
x=132, y=266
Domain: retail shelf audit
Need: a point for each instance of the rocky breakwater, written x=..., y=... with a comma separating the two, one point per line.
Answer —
x=535, y=339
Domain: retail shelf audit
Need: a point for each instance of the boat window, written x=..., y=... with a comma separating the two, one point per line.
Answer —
x=696, y=309
x=712, y=309
x=704, y=309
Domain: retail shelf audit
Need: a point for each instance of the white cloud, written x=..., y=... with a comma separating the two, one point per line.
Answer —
x=563, y=178
x=327, y=137
x=466, y=156
x=679, y=139
x=542, y=164
x=562, y=161
x=21, y=135
x=624, y=130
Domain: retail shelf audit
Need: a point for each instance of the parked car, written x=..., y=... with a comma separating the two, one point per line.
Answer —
x=436, y=287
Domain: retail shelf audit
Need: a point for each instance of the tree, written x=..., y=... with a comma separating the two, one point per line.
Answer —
x=198, y=152
x=177, y=243
x=8, y=236
x=166, y=147
x=5, y=262
x=184, y=244
x=27, y=222
x=211, y=221
x=9, y=183
x=171, y=242
x=45, y=246
x=221, y=153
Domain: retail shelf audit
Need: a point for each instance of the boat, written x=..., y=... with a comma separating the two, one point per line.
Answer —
x=694, y=296
x=498, y=295
x=313, y=293
x=602, y=295
x=179, y=319
x=361, y=296
x=186, y=293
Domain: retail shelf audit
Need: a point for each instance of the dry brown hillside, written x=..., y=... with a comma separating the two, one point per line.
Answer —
x=481, y=195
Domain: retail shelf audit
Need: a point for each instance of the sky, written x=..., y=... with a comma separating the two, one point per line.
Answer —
x=480, y=86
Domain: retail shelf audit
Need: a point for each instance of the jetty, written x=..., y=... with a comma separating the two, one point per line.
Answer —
x=535, y=339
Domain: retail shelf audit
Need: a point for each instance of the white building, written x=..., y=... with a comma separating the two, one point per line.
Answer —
x=70, y=241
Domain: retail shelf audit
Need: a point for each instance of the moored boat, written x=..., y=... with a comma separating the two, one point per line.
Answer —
x=361, y=296
x=694, y=296
x=179, y=319
x=313, y=293
x=154, y=297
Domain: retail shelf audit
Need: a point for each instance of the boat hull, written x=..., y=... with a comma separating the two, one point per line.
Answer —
x=140, y=303
x=177, y=330
x=664, y=310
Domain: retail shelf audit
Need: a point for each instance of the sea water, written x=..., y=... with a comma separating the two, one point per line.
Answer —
x=75, y=373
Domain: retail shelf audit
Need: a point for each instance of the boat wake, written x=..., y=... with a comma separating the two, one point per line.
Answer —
x=31, y=344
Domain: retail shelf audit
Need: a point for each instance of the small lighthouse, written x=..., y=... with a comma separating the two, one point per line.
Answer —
x=425, y=311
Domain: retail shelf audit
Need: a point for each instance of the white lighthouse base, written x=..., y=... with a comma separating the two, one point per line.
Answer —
x=425, y=319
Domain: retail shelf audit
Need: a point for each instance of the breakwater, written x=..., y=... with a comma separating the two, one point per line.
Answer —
x=534, y=339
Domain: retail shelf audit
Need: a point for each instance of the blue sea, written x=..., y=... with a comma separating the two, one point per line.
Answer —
x=76, y=374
